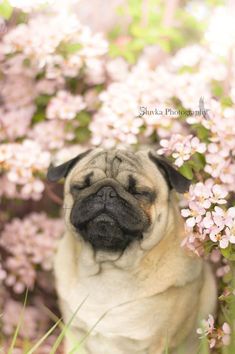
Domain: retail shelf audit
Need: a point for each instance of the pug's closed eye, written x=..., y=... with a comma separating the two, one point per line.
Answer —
x=143, y=193
x=77, y=187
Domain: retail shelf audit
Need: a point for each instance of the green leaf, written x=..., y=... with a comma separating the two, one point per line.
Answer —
x=225, y=252
x=202, y=132
x=42, y=100
x=208, y=246
x=84, y=119
x=217, y=89
x=65, y=48
x=126, y=52
x=5, y=9
x=82, y=134
x=227, y=298
x=120, y=11
x=186, y=170
x=114, y=33
x=228, y=252
x=39, y=116
x=226, y=101
x=187, y=69
x=71, y=48
x=197, y=162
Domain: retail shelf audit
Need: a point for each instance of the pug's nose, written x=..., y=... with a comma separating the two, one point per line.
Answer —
x=106, y=193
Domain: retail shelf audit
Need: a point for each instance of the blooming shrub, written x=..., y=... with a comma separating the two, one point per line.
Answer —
x=65, y=88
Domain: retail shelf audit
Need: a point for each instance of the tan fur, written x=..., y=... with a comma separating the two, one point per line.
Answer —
x=136, y=300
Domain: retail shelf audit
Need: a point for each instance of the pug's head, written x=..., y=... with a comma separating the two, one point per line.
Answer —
x=114, y=198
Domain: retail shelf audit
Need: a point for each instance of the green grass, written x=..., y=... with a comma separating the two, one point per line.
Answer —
x=203, y=347
x=18, y=326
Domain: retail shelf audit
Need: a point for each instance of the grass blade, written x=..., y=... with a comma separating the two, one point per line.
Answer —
x=88, y=333
x=43, y=338
x=65, y=329
x=166, y=349
x=204, y=346
x=18, y=325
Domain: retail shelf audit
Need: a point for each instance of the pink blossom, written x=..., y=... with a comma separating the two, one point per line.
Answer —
x=65, y=106
x=31, y=243
x=15, y=123
x=219, y=194
x=51, y=134
x=208, y=326
x=223, y=270
x=32, y=319
x=17, y=91
x=226, y=333
x=194, y=214
x=230, y=234
x=215, y=255
x=21, y=167
x=181, y=148
x=94, y=71
x=117, y=69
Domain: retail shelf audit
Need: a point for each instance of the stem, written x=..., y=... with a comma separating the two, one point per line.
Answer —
x=169, y=13
x=145, y=13
x=53, y=196
x=229, y=76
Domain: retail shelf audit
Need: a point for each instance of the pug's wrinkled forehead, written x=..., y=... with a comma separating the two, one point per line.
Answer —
x=113, y=163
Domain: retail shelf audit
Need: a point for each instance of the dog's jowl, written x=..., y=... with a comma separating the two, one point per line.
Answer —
x=120, y=268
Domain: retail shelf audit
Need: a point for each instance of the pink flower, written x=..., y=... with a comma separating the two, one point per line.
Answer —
x=197, y=146
x=30, y=244
x=51, y=134
x=219, y=194
x=181, y=147
x=207, y=327
x=32, y=319
x=15, y=123
x=224, y=334
x=21, y=168
x=222, y=218
x=194, y=214
x=221, y=271
x=230, y=234
x=65, y=106
x=201, y=193
x=215, y=255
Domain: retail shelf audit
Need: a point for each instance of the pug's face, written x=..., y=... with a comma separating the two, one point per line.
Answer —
x=115, y=197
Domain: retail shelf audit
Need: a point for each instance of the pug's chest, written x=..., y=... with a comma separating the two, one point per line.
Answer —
x=112, y=307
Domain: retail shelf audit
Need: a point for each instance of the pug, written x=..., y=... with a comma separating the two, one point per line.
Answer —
x=125, y=284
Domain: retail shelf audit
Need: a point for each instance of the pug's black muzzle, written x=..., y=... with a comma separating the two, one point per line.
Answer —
x=109, y=219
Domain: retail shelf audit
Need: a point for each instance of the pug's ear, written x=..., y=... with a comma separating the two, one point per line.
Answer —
x=55, y=173
x=173, y=177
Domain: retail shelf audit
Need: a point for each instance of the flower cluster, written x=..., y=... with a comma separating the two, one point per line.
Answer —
x=22, y=164
x=216, y=336
x=47, y=42
x=34, y=324
x=181, y=148
x=29, y=243
x=205, y=218
x=31, y=320
x=65, y=106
